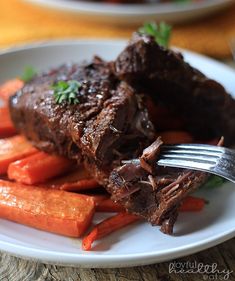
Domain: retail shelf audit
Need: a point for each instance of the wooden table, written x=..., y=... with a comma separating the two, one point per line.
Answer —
x=223, y=255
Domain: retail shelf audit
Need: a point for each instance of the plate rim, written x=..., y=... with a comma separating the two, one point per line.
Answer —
x=128, y=9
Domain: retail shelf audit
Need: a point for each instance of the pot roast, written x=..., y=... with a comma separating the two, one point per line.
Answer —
x=110, y=124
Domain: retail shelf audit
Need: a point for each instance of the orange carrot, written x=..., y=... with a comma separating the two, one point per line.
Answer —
x=192, y=204
x=77, y=174
x=38, y=168
x=85, y=184
x=10, y=87
x=99, y=198
x=75, y=180
x=109, y=206
x=12, y=149
x=6, y=126
x=106, y=227
x=57, y=211
x=171, y=137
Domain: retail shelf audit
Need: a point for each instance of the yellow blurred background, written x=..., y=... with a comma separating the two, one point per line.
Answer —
x=22, y=23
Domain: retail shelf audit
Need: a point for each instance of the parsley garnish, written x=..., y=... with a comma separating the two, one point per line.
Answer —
x=66, y=91
x=161, y=32
x=28, y=74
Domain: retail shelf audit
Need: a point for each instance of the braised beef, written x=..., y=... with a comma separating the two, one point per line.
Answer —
x=155, y=193
x=107, y=125
x=204, y=106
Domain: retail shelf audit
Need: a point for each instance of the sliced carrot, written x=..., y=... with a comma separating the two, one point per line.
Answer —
x=57, y=211
x=109, y=206
x=192, y=204
x=85, y=184
x=10, y=87
x=172, y=137
x=38, y=168
x=106, y=227
x=6, y=126
x=77, y=174
x=99, y=198
x=76, y=180
x=12, y=149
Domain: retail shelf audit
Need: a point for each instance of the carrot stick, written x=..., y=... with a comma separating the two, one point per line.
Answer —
x=109, y=206
x=6, y=126
x=12, y=149
x=10, y=87
x=38, y=168
x=106, y=227
x=76, y=180
x=57, y=211
x=77, y=174
x=192, y=204
x=99, y=198
x=171, y=137
x=79, y=185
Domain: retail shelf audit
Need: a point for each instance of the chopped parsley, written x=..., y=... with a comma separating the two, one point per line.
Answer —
x=161, y=32
x=66, y=91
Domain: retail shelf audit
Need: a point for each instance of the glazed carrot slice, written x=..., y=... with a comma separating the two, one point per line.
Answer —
x=172, y=137
x=10, y=87
x=74, y=180
x=109, y=206
x=12, y=149
x=38, y=168
x=76, y=174
x=106, y=227
x=99, y=198
x=80, y=185
x=57, y=211
x=6, y=126
x=192, y=204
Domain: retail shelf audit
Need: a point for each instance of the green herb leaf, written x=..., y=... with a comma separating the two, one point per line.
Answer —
x=28, y=74
x=161, y=32
x=66, y=91
x=214, y=182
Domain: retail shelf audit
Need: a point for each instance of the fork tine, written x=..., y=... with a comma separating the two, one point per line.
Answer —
x=192, y=152
x=207, y=158
x=197, y=147
x=200, y=149
x=187, y=164
x=191, y=157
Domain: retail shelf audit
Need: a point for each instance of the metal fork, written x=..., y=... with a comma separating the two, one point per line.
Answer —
x=208, y=158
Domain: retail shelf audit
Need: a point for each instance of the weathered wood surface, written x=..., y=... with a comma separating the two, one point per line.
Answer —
x=16, y=269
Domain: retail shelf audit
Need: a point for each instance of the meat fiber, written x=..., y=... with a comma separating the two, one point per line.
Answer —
x=153, y=192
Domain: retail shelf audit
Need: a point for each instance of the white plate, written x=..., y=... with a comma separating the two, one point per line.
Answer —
x=136, y=13
x=138, y=244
